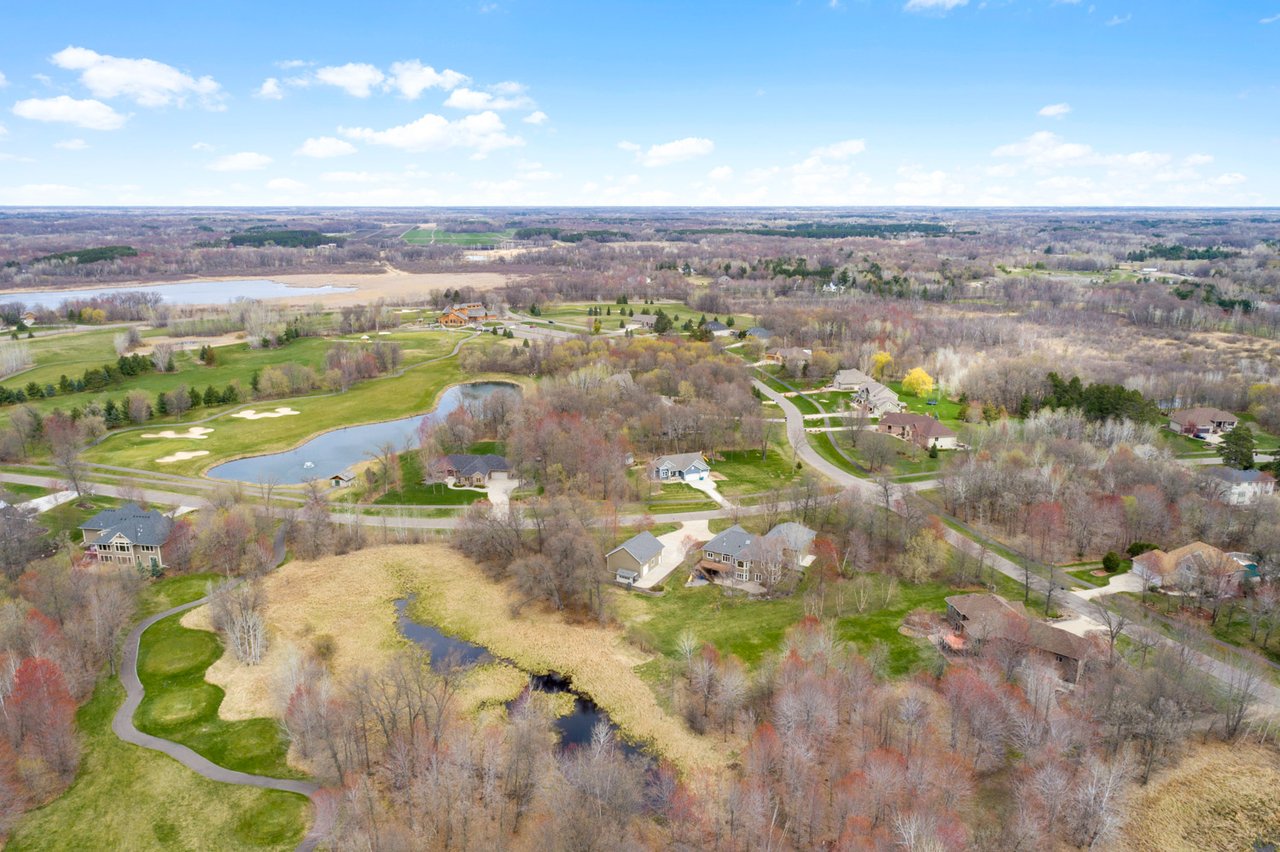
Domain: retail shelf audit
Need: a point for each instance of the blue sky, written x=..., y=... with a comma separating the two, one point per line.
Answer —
x=858, y=102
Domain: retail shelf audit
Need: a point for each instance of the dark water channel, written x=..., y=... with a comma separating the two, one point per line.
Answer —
x=574, y=728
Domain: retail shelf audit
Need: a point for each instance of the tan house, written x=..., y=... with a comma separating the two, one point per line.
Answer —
x=1193, y=568
x=1202, y=422
x=981, y=619
x=919, y=429
x=129, y=535
x=634, y=558
x=787, y=354
x=474, y=471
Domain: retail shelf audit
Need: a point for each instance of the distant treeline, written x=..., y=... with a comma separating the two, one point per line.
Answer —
x=570, y=236
x=1210, y=296
x=286, y=239
x=1160, y=251
x=829, y=231
x=1100, y=401
x=90, y=255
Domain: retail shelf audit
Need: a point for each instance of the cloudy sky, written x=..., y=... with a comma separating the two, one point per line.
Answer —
x=824, y=102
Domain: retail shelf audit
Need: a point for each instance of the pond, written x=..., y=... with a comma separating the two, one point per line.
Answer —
x=574, y=728
x=185, y=293
x=333, y=452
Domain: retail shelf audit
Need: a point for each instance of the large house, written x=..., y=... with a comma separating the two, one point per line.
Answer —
x=919, y=429
x=851, y=380
x=1239, y=487
x=129, y=535
x=982, y=619
x=877, y=399
x=717, y=328
x=472, y=470
x=1192, y=568
x=740, y=556
x=787, y=354
x=634, y=558
x=759, y=332
x=1202, y=422
x=680, y=467
x=470, y=313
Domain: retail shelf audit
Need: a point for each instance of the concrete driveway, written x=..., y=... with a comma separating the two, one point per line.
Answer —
x=47, y=502
x=708, y=487
x=674, y=546
x=1127, y=582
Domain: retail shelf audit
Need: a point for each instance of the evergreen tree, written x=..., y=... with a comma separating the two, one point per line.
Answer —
x=1237, y=448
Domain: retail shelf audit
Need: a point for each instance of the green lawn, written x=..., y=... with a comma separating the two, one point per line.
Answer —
x=422, y=237
x=413, y=492
x=746, y=472
x=127, y=797
x=23, y=493
x=69, y=516
x=182, y=706
x=677, y=497
x=947, y=409
x=879, y=624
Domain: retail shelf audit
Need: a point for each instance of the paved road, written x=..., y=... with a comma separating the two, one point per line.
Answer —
x=1079, y=607
x=122, y=723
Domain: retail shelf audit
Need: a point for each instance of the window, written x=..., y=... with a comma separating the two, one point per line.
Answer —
x=711, y=556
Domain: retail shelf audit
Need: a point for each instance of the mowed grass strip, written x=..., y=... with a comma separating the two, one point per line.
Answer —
x=180, y=705
x=128, y=797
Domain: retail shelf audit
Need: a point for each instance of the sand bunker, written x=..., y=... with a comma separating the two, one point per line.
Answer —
x=197, y=432
x=182, y=456
x=251, y=414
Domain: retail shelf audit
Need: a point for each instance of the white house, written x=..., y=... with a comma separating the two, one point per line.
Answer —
x=1239, y=487
x=681, y=467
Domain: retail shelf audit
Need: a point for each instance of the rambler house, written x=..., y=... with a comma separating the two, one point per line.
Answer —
x=471, y=313
x=1202, y=422
x=981, y=619
x=129, y=535
x=759, y=332
x=1238, y=487
x=851, y=380
x=787, y=354
x=681, y=467
x=1191, y=568
x=340, y=480
x=471, y=470
x=717, y=328
x=28, y=318
x=919, y=429
x=634, y=558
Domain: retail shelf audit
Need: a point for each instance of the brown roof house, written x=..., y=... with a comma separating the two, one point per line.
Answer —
x=1202, y=422
x=1195, y=568
x=468, y=314
x=981, y=619
x=919, y=429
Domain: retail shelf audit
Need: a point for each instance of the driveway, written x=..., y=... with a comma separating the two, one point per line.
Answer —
x=47, y=502
x=1127, y=582
x=674, y=547
x=708, y=487
x=499, y=493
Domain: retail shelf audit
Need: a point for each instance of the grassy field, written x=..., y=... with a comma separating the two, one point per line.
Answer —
x=947, y=409
x=69, y=516
x=126, y=797
x=746, y=472
x=422, y=237
x=677, y=497
x=413, y=492
x=22, y=493
x=182, y=706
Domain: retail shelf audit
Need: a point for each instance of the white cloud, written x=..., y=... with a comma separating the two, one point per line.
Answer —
x=358, y=177
x=720, y=173
x=4, y=81
x=1117, y=20
x=324, y=147
x=1198, y=160
x=71, y=144
x=1270, y=20
x=840, y=150
x=1054, y=110
x=508, y=96
x=270, y=90
x=482, y=132
x=933, y=5
x=201, y=146
x=1229, y=179
x=244, y=161
x=676, y=151
x=355, y=78
x=1045, y=148
x=146, y=82
x=286, y=185
x=535, y=117
x=917, y=186
x=4, y=131
x=628, y=146
x=290, y=64
x=412, y=78
x=89, y=114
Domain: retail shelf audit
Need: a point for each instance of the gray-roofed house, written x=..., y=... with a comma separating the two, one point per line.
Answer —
x=759, y=332
x=634, y=558
x=851, y=380
x=717, y=328
x=1239, y=487
x=472, y=470
x=796, y=541
x=129, y=535
x=728, y=555
x=680, y=467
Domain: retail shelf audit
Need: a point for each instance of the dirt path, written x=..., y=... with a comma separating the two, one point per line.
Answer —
x=123, y=727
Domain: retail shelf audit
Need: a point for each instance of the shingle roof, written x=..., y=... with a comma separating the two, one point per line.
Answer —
x=642, y=547
x=715, y=325
x=995, y=616
x=921, y=423
x=853, y=377
x=1202, y=416
x=759, y=331
x=471, y=465
x=140, y=526
x=730, y=542
x=682, y=461
x=793, y=536
x=1237, y=477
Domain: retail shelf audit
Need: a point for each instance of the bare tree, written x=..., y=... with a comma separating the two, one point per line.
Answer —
x=235, y=610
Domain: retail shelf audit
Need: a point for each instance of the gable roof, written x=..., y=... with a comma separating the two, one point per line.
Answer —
x=140, y=526
x=1202, y=416
x=471, y=465
x=792, y=535
x=760, y=332
x=715, y=325
x=1195, y=556
x=1237, y=477
x=996, y=616
x=922, y=424
x=642, y=547
x=731, y=542
x=682, y=461
x=853, y=376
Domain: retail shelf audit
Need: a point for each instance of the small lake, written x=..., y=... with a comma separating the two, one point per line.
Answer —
x=333, y=452
x=574, y=728
x=185, y=293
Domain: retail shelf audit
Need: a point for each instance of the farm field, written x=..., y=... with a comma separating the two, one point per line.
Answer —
x=127, y=797
x=435, y=236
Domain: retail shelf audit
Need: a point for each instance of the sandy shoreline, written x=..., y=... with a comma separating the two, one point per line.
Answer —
x=391, y=284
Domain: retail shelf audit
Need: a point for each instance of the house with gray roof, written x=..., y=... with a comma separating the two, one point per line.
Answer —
x=634, y=558
x=129, y=535
x=737, y=556
x=795, y=540
x=759, y=332
x=728, y=555
x=680, y=467
x=471, y=470
x=717, y=328
x=1238, y=487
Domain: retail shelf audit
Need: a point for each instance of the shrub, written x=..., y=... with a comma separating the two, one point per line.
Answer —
x=1140, y=547
x=1111, y=562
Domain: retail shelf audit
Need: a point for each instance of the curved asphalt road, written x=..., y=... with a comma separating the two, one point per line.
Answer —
x=123, y=727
